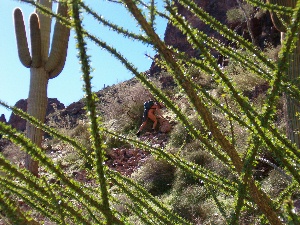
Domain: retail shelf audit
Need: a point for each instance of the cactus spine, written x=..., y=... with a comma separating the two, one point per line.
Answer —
x=43, y=66
x=292, y=105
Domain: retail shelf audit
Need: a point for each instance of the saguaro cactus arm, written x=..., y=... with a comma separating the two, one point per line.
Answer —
x=22, y=44
x=59, y=47
x=281, y=21
x=45, y=27
x=35, y=35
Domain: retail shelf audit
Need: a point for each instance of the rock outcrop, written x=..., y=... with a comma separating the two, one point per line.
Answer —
x=68, y=117
x=20, y=124
x=261, y=26
x=2, y=118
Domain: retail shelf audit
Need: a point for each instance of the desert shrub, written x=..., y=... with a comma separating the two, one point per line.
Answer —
x=123, y=102
x=236, y=15
x=275, y=183
x=81, y=131
x=188, y=203
x=183, y=180
x=134, y=117
x=71, y=161
x=113, y=142
x=196, y=154
x=191, y=152
x=244, y=79
x=203, y=79
x=179, y=136
x=156, y=176
x=123, y=200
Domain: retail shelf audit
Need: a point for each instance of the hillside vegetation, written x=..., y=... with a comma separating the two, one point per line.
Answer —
x=227, y=159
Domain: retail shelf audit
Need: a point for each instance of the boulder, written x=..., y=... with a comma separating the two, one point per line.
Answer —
x=164, y=125
x=20, y=124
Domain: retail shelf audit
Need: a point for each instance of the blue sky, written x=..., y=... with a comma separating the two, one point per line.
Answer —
x=67, y=87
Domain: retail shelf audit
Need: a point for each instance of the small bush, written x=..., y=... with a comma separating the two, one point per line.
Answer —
x=179, y=136
x=275, y=183
x=188, y=203
x=112, y=142
x=244, y=80
x=82, y=134
x=236, y=15
x=192, y=153
x=156, y=176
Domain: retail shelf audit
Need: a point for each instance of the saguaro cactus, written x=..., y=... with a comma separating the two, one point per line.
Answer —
x=43, y=66
x=292, y=105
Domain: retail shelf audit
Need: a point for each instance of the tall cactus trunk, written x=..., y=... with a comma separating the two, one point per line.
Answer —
x=37, y=106
x=292, y=105
x=43, y=65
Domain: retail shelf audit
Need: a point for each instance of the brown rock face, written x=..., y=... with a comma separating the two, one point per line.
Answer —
x=2, y=118
x=20, y=124
x=215, y=8
x=261, y=26
x=16, y=121
x=76, y=108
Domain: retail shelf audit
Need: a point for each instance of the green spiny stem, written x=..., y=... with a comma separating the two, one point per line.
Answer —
x=33, y=150
x=91, y=108
x=263, y=202
x=13, y=212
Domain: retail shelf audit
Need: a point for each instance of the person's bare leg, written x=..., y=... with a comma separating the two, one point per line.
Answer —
x=143, y=125
x=141, y=128
x=152, y=117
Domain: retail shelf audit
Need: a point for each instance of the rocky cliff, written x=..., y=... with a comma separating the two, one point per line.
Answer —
x=260, y=22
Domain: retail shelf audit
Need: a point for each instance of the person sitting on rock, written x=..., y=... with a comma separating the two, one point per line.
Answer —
x=151, y=111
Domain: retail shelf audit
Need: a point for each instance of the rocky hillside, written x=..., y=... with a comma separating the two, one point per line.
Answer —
x=262, y=28
x=120, y=106
x=119, y=100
